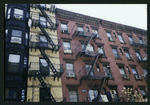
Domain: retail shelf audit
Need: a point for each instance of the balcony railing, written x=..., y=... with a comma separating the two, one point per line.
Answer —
x=87, y=53
x=82, y=34
x=85, y=76
x=35, y=66
x=34, y=43
x=136, y=42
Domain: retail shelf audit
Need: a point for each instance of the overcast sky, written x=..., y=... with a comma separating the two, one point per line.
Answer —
x=128, y=14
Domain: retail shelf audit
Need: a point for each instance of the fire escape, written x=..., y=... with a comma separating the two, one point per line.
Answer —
x=82, y=51
x=56, y=70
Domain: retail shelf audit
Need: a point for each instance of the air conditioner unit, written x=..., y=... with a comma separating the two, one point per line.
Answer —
x=70, y=75
x=137, y=76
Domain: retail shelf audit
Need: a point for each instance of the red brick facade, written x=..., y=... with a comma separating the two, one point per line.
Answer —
x=79, y=63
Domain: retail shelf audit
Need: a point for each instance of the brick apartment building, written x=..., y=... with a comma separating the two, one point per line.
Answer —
x=100, y=58
x=57, y=55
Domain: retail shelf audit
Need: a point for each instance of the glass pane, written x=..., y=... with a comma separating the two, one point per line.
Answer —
x=142, y=92
x=95, y=31
x=109, y=35
x=100, y=50
x=80, y=29
x=18, y=11
x=69, y=66
x=42, y=19
x=26, y=35
x=127, y=54
x=131, y=40
x=43, y=39
x=138, y=55
x=17, y=33
x=134, y=71
x=66, y=45
x=141, y=41
x=145, y=71
x=120, y=38
x=63, y=26
x=9, y=10
x=122, y=71
x=43, y=61
x=25, y=60
x=14, y=58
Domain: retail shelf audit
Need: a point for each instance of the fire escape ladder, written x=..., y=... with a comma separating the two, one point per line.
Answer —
x=46, y=91
x=98, y=55
x=99, y=90
x=45, y=14
x=48, y=61
x=91, y=37
x=48, y=37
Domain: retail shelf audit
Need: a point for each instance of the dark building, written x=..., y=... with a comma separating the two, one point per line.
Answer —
x=17, y=52
x=100, y=58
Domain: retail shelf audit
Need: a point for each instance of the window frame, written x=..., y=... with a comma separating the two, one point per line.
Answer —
x=67, y=48
x=76, y=91
x=110, y=36
x=131, y=38
x=108, y=70
x=43, y=21
x=70, y=71
x=19, y=14
x=7, y=97
x=15, y=36
x=118, y=57
x=98, y=47
x=46, y=68
x=139, y=57
x=87, y=70
x=98, y=35
x=8, y=13
x=66, y=30
x=120, y=36
x=122, y=67
x=43, y=44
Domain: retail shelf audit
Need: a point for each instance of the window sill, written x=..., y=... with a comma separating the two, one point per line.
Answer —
x=112, y=41
x=118, y=58
x=65, y=33
x=68, y=53
x=123, y=43
x=98, y=38
x=130, y=60
x=72, y=78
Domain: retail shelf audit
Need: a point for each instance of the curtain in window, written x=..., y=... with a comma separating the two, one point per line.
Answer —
x=14, y=58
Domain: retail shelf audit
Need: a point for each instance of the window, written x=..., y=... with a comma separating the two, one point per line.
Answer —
x=27, y=15
x=145, y=71
x=130, y=39
x=128, y=69
x=121, y=51
x=141, y=41
x=6, y=34
x=18, y=14
x=25, y=61
x=134, y=71
x=88, y=68
x=96, y=32
x=122, y=71
x=16, y=36
x=114, y=35
x=115, y=53
x=114, y=94
x=121, y=39
x=43, y=41
x=101, y=50
x=43, y=21
x=43, y=5
x=44, y=68
x=138, y=55
x=143, y=92
x=107, y=70
x=64, y=27
x=73, y=96
x=80, y=29
x=109, y=36
x=87, y=29
x=145, y=40
x=127, y=54
x=26, y=39
x=70, y=70
x=92, y=94
x=8, y=13
x=13, y=63
x=67, y=47
x=11, y=94
x=43, y=95
x=88, y=48
x=97, y=66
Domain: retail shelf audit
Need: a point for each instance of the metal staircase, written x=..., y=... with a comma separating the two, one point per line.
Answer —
x=56, y=74
x=47, y=17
